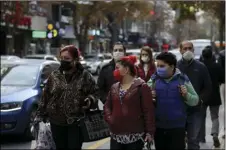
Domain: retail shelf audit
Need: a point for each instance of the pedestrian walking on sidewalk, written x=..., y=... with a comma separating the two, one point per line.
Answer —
x=129, y=109
x=200, y=79
x=221, y=61
x=106, y=78
x=172, y=92
x=146, y=66
x=68, y=93
x=214, y=101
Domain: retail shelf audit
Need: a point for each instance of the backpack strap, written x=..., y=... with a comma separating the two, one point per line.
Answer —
x=183, y=78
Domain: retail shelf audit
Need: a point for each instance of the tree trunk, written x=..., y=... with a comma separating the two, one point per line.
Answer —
x=82, y=45
x=113, y=29
x=83, y=36
x=222, y=23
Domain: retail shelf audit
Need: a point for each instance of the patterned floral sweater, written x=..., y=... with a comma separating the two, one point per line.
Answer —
x=64, y=95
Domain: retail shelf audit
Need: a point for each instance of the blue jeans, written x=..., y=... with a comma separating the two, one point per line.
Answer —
x=193, y=127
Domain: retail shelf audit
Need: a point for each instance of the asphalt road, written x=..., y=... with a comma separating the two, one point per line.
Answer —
x=15, y=142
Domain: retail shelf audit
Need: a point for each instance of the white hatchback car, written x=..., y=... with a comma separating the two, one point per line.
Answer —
x=95, y=62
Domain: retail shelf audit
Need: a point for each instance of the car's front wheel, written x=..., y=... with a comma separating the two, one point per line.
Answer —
x=28, y=132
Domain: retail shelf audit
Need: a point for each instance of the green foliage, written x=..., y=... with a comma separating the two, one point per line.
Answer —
x=87, y=16
x=186, y=9
x=217, y=8
x=99, y=9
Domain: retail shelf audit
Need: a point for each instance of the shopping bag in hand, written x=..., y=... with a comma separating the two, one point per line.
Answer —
x=44, y=139
x=147, y=145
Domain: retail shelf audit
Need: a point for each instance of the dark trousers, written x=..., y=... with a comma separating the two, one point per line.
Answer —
x=67, y=137
x=193, y=127
x=214, y=114
x=138, y=145
x=169, y=139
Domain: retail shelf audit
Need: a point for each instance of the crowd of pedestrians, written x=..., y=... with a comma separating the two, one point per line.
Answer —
x=163, y=103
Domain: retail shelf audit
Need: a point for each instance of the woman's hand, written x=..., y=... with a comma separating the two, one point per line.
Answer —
x=88, y=103
x=183, y=90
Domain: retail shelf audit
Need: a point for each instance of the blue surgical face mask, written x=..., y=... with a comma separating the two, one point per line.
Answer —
x=162, y=72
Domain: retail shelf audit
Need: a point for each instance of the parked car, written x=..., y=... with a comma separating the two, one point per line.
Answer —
x=95, y=62
x=21, y=89
x=83, y=62
x=218, y=44
x=177, y=53
x=9, y=57
x=200, y=44
x=42, y=56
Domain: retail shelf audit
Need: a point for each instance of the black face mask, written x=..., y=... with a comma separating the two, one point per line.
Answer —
x=65, y=65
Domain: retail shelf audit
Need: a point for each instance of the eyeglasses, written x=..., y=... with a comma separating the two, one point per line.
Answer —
x=187, y=48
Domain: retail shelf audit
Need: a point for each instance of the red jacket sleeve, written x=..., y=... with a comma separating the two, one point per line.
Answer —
x=148, y=109
x=107, y=108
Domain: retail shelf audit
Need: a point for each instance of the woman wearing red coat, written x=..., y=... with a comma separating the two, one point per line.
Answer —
x=147, y=66
x=129, y=108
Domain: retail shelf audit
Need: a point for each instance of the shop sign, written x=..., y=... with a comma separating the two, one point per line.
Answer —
x=23, y=21
x=16, y=17
x=38, y=34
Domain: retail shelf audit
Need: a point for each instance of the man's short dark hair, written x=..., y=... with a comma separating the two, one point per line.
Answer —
x=119, y=43
x=168, y=58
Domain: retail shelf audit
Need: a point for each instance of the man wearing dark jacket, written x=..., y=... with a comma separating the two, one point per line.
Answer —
x=106, y=78
x=214, y=101
x=200, y=79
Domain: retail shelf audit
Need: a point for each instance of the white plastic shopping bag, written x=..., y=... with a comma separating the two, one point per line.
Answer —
x=44, y=139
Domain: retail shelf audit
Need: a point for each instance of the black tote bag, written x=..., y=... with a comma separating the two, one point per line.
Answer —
x=93, y=126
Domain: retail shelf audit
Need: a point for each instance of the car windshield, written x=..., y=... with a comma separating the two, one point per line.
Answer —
x=199, y=46
x=20, y=75
x=34, y=57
